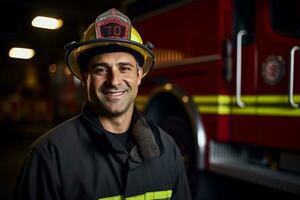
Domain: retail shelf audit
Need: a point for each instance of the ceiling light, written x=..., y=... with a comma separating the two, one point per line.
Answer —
x=21, y=53
x=46, y=22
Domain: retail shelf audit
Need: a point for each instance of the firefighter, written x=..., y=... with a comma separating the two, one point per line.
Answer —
x=109, y=151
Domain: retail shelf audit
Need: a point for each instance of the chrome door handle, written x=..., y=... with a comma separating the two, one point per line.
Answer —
x=239, y=101
x=291, y=80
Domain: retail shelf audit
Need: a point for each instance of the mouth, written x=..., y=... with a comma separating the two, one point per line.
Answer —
x=113, y=95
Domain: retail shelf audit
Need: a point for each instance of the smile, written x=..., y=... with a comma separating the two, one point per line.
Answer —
x=112, y=95
x=115, y=93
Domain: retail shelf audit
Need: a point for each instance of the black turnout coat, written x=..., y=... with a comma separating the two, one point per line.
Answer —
x=77, y=160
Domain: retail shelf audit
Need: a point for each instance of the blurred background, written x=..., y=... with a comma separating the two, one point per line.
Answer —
x=38, y=91
x=41, y=90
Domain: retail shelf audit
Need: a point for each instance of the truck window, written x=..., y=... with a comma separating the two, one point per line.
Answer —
x=244, y=18
x=285, y=17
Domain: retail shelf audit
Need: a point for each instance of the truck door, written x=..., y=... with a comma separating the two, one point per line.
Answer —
x=277, y=36
x=243, y=110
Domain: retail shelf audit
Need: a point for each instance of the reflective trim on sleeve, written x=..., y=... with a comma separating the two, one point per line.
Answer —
x=158, y=195
x=119, y=197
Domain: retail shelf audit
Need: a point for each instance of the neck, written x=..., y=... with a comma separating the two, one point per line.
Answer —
x=118, y=124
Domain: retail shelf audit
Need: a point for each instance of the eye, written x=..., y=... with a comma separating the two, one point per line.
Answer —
x=100, y=70
x=125, y=68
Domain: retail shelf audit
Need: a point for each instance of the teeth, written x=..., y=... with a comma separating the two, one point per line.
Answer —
x=115, y=93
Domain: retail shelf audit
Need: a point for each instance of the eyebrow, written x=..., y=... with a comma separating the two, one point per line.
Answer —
x=104, y=64
x=126, y=63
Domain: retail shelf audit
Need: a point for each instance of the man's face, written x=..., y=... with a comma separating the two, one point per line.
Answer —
x=112, y=83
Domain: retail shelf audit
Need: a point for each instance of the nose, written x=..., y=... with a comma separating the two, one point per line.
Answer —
x=114, y=78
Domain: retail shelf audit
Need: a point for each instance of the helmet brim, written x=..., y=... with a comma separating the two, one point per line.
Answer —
x=74, y=52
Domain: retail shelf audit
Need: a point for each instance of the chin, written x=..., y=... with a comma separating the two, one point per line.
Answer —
x=117, y=111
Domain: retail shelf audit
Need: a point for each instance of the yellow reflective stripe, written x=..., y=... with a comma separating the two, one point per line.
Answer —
x=249, y=110
x=167, y=194
x=221, y=99
x=277, y=111
x=119, y=197
x=152, y=195
x=227, y=99
x=226, y=110
x=264, y=99
x=255, y=105
x=269, y=99
x=250, y=99
x=264, y=105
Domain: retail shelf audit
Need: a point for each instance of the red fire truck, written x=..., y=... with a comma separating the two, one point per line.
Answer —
x=226, y=86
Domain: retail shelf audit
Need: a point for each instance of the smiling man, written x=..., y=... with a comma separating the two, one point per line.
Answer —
x=109, y=151
x=112, y=83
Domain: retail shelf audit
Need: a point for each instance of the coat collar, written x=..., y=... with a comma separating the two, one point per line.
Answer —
x=145, y=145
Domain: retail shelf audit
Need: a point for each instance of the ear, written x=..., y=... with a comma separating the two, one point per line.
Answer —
x=140, y=75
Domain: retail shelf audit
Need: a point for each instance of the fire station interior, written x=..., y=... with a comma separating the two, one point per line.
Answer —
x=38, y=93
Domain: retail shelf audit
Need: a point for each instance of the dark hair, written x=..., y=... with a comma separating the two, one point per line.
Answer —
x=85, y=57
